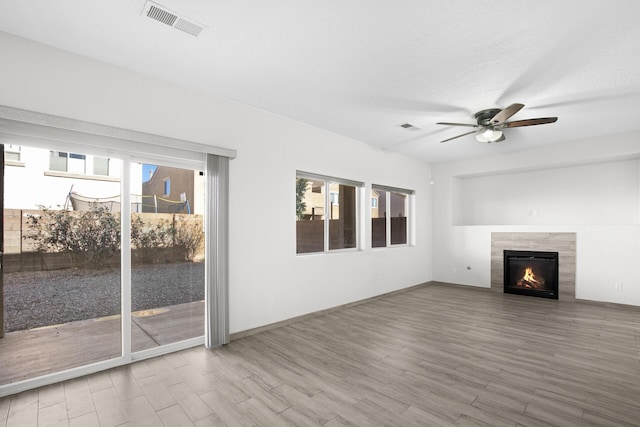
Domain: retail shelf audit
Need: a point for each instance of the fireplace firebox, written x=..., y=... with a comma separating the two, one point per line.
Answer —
x=531, y=273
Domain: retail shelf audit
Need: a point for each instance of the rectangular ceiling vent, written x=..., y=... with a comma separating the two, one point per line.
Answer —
x=409, y=126
x=162, y=14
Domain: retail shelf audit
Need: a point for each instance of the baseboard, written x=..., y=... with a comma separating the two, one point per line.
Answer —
x=248, y=332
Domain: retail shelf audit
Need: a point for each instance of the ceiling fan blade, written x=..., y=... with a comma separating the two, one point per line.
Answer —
x=468, y=133
x=457, y=124
x=503, y=115
x=530, y=122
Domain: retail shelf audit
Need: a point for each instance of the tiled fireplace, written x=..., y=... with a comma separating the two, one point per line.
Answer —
x=564, y=244
x=531, y=273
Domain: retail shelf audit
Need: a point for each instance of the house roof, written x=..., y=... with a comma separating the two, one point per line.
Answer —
x=362, y=69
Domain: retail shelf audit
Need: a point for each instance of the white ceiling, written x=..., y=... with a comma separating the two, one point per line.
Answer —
x=361, y=68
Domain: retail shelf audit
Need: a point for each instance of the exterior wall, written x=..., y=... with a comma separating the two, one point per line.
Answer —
x=375, y=211
x=182, y=181
x=315, y=200
x=31, y=175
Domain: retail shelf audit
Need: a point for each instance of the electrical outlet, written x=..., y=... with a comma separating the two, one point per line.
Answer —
x=272, y=301
x=618, y=286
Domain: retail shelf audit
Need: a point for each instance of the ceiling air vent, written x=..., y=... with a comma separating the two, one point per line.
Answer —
x=162, y=14
x=409, y=126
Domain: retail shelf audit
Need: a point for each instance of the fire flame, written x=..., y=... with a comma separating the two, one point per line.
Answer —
x=529, y=276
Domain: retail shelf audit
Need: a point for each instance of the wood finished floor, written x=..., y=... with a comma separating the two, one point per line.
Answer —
x=434, y=355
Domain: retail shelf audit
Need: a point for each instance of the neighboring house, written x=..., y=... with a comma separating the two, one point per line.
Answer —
x=173, y=190
x=94, y=178
x=29, y=168
x=314, y=200
x=376, y=207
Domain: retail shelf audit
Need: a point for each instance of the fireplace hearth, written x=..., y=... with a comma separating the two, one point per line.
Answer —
x=531, y=273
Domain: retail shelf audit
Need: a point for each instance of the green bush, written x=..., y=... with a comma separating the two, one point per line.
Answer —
x=89, y=237
x=188, y=235
x=148, y=236
x=92, y=237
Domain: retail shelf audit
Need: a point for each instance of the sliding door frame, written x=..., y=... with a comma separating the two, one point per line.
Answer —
x=22, y=127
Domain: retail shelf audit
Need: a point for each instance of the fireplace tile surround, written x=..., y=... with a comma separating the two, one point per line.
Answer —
x=563, y=243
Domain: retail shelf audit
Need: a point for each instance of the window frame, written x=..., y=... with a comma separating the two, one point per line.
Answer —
x=408, y=208
x=56, y=166
x=334, y=197
x=13, y=151
x=41, y=130
x=327, y=181
x=100, y=164
x=76, y=163
x=166, y=185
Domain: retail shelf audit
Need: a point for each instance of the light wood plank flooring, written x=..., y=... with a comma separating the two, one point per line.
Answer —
x=434, y=355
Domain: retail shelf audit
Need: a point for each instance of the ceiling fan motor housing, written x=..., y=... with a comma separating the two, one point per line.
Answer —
x=488, y=133
x=484, y=117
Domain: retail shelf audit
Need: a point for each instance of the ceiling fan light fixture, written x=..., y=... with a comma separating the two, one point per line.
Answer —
x=489, y=135
x=490, y=123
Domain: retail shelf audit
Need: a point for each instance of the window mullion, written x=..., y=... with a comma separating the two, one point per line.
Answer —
x=387, y=218
x=407, y=209
x=327, y=214
x=125, y=254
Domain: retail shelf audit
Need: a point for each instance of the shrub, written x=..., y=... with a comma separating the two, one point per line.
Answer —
x=147, y=236
x=92, y=237
x=89, y=237
x=189, y=235
x=301, y=205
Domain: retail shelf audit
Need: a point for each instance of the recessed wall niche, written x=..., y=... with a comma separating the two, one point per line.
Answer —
x=598, y=193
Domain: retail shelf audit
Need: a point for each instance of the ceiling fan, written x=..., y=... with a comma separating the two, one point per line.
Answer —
x=491, y=122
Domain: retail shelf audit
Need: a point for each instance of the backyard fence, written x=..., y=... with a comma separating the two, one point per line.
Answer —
x=21, y=252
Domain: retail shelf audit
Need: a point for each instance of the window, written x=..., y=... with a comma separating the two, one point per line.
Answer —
x=67, y=162
x=74, y=163
x=101, y=166
x=57, y=161
x=77, y=163
x=326, y=213
x=167, y=186
x=12, y=153
x=335, y=198
x=389, y=216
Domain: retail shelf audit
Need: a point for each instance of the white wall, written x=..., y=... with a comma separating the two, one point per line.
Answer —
x=600, y=176
x=28, y=178
x=263, y=264
x=595, y=193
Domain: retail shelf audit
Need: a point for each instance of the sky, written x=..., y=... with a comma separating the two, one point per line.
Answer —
x=145, y=171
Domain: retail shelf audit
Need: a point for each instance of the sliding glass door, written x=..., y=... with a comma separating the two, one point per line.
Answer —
x=92, y=274
x=62, y=271
x=167, y=254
